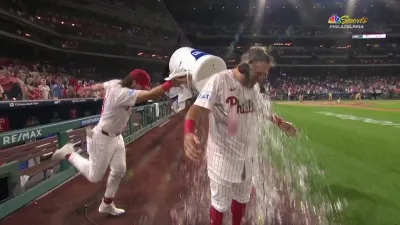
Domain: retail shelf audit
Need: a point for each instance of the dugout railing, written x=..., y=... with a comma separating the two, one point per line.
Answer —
x=21, y=185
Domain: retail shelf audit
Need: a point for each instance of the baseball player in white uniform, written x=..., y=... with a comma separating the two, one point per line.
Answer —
x=105, y=143
x=228, y=99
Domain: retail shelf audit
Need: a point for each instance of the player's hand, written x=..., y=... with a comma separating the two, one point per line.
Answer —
x=191, y=146
x=288, y=128
x=178, y=81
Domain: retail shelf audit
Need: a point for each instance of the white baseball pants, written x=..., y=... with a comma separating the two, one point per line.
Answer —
x=222, y=193
x=103, y=151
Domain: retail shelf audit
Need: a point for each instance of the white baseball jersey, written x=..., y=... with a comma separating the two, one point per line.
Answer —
x=117, y=107
x=230, y=156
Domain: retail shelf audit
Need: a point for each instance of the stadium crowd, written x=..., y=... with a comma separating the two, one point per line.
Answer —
x=42, y=40
x=291, y=86
x=40, y=81
x=149, y=31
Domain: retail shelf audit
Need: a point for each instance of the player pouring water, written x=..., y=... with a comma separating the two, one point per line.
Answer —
x=228, y=98
x=105, y=143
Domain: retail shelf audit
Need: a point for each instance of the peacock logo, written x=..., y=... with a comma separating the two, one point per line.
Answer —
x=334, y=19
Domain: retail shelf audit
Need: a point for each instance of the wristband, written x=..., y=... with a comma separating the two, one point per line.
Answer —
x=189, y=126
x=166, y=85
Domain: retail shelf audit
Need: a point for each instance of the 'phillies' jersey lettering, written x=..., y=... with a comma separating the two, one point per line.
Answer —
x=233, y=127
x=242, y=108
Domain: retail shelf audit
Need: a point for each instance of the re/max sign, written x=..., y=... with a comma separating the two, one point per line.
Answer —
x=22, y=136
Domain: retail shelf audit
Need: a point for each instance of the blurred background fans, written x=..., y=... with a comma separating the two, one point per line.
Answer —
x=71, y=42
x=51, y=49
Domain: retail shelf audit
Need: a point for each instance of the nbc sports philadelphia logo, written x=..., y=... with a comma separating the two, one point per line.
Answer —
x=346, y=22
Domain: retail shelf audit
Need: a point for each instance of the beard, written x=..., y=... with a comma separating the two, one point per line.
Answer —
x=253, y=80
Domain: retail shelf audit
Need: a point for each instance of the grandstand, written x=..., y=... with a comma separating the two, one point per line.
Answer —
x=50, y=50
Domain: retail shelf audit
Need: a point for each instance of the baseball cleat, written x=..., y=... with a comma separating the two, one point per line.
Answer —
x=62, y=152
x=110, y=209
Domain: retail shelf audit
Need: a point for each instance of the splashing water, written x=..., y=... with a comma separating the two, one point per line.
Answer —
x=285, y=180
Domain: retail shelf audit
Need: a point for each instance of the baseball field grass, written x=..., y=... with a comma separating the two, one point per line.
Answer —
x=357, y=146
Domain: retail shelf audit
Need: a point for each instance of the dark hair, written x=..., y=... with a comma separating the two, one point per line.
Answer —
x=127, y=82
x=257, y=54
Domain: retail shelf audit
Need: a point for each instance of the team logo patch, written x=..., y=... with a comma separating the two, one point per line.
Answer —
x=130, y=92
x=205, y=95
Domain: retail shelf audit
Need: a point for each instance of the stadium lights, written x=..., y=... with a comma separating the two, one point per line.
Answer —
x=297, y=7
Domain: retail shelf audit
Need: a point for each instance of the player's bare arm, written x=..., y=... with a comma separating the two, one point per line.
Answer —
x=206, y=99
x=285, y=126
x=95, y=87
x=153, y=94
x=191, y=141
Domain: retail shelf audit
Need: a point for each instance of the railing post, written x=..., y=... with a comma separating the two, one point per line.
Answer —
x=161, y=111
x=164, y=109
x=62, y=139
x=130, y=126
x=153, y=114
x=144, y=116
